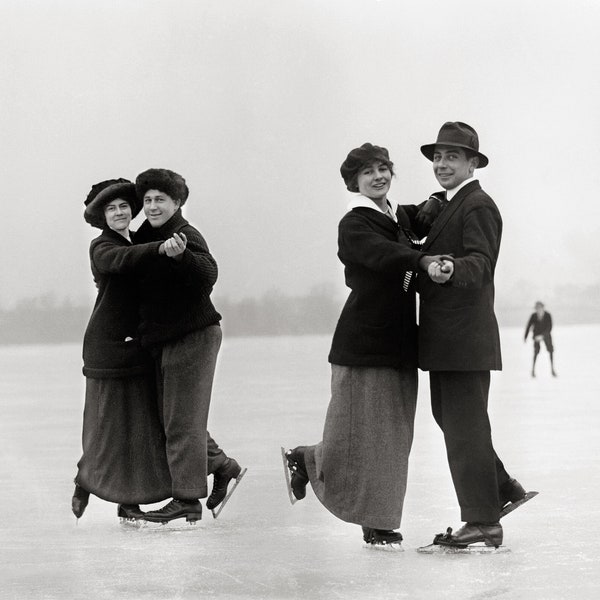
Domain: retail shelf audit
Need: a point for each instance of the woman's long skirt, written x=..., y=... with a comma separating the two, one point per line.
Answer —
x=124, y=458
x=359, y=470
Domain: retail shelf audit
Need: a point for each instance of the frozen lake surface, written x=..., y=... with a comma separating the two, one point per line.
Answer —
x=271, y=392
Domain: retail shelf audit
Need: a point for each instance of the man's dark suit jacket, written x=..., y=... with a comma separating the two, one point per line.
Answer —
x=458, y=330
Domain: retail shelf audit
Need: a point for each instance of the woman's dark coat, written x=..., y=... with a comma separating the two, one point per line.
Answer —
x=377, y=326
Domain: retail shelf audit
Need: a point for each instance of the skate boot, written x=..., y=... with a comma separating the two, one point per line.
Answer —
x=510, y=491
x=471, y=533
x=386, y=539
x=176, y=509
x=299, y=476
x=222, y=476
x=79, y=501
x=129, y=512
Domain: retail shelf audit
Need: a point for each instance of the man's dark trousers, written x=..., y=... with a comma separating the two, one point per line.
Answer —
x=459, y=402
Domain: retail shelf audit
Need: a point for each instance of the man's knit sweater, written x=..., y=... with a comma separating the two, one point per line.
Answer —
x=175, y=295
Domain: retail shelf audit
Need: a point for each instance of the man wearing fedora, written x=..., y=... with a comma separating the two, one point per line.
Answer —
x=540, y=324
x=459, y=343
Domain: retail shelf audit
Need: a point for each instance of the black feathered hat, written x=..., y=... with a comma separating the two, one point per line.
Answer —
x=104, y=192
x=164, y=180
x=357, y=158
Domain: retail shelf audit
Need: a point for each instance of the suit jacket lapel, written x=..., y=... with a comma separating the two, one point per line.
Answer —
x=451, y=208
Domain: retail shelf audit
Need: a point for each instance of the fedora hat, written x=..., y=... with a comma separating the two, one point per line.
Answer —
x=460, y=135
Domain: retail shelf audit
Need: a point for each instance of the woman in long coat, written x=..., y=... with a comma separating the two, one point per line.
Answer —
x=124, y=458
x=359, y=469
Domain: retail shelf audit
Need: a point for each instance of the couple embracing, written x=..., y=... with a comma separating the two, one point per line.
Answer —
x=359, y=469
x=149, y=353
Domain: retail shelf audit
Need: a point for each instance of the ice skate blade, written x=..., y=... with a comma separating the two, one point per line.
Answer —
x=288, y=480
x=217, y=511
x=471, y=549
x=175, y=525
x=514, y=505
x=133, y=523
x=384, y=547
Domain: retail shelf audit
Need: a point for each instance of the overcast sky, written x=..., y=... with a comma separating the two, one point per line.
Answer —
x=256, y=103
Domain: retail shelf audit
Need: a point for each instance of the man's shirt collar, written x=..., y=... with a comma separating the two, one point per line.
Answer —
x=451, y=193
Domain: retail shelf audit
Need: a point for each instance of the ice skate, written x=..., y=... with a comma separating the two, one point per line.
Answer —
x=79, y=501
x=512, y=495
x=382, y=539
x=508, y=508
x=176, y=509
x=296, y=476
x=130, y=514
x=470, y=538
x=222, y=477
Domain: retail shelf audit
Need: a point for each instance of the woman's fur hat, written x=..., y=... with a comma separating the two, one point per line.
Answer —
x=358, y=158
x=104, y=192
x=164, y=180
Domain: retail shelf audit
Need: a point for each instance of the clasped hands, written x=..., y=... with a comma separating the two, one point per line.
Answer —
x=440, y=267
x=174, y=246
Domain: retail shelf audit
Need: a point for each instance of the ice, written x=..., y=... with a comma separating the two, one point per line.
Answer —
x=273, y=392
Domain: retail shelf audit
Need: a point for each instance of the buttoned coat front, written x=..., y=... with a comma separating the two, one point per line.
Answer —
x=458, y=330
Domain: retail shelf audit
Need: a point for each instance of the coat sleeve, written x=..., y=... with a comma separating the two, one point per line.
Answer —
x=360, y=244
x=482, y=229
x=197, y=268
x=529, y=326
x=110, y=258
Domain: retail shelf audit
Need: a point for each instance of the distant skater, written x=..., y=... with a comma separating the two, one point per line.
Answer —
x=540, y=324
x=459, y=342
x=359, y=469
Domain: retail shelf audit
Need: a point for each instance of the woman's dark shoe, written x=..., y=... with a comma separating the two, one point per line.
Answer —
x=382, y=537
x=471, y=533
x=222, y=476
x=299, y=475
x=130, y=511
x=176, y=509
x=79, y=501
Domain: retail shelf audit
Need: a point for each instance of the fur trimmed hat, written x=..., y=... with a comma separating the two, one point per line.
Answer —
x=104, y=192
x=164, y=180
x=357, y=158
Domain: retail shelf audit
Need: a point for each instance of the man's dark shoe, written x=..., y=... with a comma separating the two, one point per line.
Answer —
x=79, y=501
x=222, y=476
x=130, y=511
x=510, y=491
x=381, y=537
x=299, y=475
x=471, y=533
x=176, y=509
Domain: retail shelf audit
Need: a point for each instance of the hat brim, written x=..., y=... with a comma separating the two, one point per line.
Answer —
x=428, y=151
x=126, y=191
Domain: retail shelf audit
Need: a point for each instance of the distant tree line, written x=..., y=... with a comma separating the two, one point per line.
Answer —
x=47, y=320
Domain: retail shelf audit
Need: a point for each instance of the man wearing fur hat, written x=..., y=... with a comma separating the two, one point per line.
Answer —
x=459, y=342
x=180, y=325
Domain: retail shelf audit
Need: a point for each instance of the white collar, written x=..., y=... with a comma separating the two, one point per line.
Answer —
x=360, y=201
x=451, y=193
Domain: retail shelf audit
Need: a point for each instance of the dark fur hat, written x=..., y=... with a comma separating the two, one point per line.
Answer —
x=104, y=192
x=358, y=158
x=164, y=180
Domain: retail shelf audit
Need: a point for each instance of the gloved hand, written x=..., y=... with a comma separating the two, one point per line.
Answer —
x=430, y=209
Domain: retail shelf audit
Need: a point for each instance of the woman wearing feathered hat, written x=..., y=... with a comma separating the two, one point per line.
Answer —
x=358, y=471
x=124, y=459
